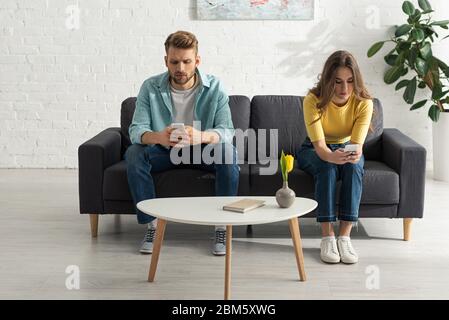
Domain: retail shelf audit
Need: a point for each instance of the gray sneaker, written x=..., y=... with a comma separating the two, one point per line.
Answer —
x=147, y=243
x=219, y=248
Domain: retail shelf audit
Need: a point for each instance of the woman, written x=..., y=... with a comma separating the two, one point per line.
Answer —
x=337, y=112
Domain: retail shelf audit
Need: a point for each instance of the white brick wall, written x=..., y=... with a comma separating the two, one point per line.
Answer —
x=59, y=87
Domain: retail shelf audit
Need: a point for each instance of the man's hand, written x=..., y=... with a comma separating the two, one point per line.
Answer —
x=191, y=136
x=161, y=137
x=194, y=136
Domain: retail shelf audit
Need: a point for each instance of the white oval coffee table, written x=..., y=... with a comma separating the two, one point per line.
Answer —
x=208, y=211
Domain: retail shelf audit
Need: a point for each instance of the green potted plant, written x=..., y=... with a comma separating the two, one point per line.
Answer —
x=412, y=60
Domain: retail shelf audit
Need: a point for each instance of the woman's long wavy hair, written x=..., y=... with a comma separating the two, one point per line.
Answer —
x=325, y=88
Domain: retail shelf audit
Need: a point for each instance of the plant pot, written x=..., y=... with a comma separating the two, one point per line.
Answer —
x=285, y=196
x=440, y=137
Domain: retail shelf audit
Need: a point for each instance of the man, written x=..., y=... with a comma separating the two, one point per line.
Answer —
x=181, y=95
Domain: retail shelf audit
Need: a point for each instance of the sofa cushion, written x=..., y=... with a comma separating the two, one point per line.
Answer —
x=182, y=182
x=126, y=117
x=283, y=113
x=240, y=111
x=372, y=149
x=380, y=183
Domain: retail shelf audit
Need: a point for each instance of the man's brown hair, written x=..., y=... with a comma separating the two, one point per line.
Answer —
x=182, y=40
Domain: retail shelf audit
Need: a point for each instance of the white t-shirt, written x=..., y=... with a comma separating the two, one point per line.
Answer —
x=183, y=104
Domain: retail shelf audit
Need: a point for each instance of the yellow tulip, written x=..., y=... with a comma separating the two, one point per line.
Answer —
x=286, y=162
x=290, y=160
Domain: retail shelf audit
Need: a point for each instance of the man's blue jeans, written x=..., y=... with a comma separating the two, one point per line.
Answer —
x=326, y=175
x=143, y=160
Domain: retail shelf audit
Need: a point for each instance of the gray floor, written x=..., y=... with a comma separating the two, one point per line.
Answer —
x=42, y=233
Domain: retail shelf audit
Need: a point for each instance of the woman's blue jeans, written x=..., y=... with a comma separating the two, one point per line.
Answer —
x=143, y=160
x=326, y=175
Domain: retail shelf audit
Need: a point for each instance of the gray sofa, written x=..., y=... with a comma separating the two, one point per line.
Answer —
x=393, y=184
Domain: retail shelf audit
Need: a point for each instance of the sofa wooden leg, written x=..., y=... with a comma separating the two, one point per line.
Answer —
x=407, y=228
x=93, y=225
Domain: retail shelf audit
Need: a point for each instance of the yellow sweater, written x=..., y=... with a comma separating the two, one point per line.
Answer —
x=338, y=124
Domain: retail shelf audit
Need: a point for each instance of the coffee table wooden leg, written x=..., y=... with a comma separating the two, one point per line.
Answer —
x=227, y=293
x=160, y=230
x=296, y=237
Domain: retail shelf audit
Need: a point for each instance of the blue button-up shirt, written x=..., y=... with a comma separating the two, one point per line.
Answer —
x=154, y=109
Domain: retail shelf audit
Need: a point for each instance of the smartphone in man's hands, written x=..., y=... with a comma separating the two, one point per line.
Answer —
x=177, y=132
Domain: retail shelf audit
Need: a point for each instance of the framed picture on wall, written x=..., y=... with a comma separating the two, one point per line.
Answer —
x=255, y=9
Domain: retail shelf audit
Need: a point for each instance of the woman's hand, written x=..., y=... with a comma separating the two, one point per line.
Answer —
x=338, y=156
x=354, y=157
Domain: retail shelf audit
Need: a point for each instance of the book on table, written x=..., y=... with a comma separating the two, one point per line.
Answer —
x=244, y=205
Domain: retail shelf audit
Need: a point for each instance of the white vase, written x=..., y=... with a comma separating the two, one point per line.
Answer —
x=440, y=137
x=285, y=196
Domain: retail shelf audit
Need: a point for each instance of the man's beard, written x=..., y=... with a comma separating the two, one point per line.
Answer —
x=181, y=81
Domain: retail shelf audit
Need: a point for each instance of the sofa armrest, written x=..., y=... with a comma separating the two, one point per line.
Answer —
x=94, y=156
x=408, y=159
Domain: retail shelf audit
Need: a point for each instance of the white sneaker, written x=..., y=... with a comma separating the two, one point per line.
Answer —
x=347, y=252
x=329, y=251
x=147, y=243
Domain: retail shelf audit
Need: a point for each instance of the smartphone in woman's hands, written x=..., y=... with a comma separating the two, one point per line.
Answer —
x=351, y=148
